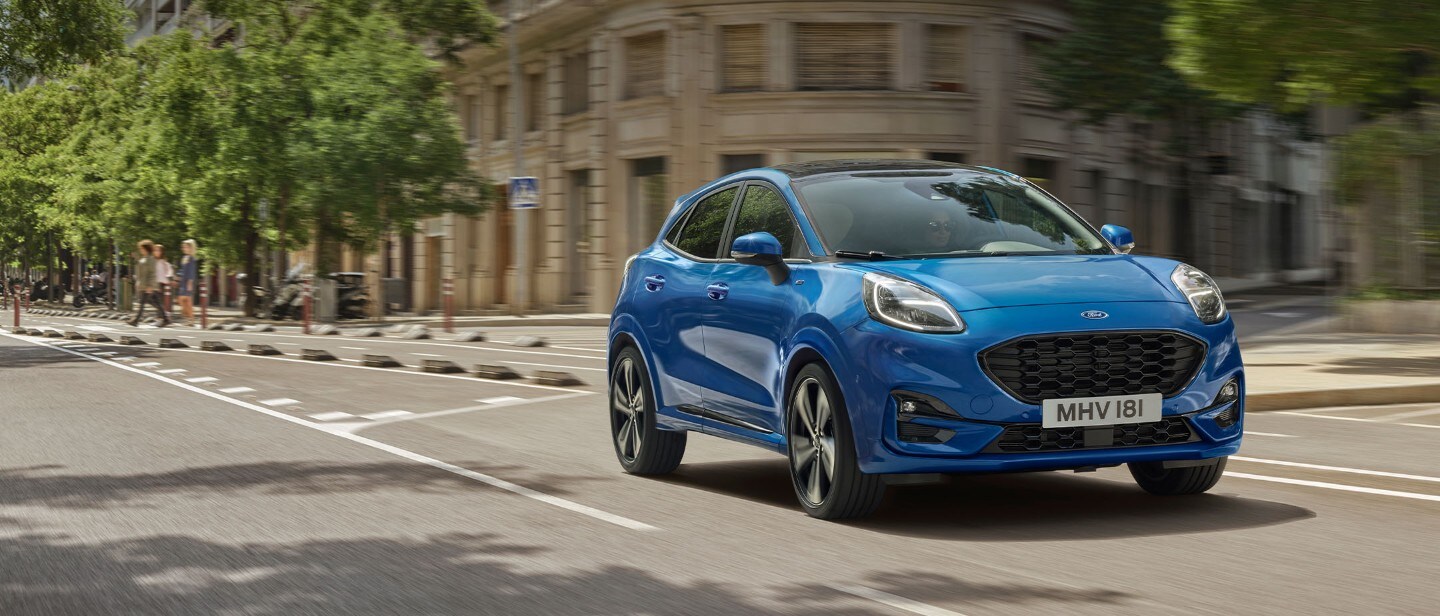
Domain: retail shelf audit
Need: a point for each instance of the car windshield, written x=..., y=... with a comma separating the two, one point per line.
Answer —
x=942, y=214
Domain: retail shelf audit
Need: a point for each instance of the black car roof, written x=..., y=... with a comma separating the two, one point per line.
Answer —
x=817, y=167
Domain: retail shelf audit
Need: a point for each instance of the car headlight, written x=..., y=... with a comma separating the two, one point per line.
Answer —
x=1201, y=291
x=909, y=306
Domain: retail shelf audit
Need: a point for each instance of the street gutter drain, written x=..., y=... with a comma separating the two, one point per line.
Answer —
x=495, y=371
x=316, y=355
x=263, y=349
x=443, y=366
x=379, y=361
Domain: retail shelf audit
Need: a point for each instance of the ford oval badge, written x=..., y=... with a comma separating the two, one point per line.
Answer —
x=1094, y=314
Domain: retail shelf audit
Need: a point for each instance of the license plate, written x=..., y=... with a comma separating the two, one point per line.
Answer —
x=1101, y=411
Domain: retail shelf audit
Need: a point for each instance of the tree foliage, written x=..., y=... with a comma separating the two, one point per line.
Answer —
x=45, y=37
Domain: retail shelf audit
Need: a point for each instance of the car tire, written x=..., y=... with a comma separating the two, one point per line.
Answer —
x=650, y=450
x=1156, y=479
x=818, y=431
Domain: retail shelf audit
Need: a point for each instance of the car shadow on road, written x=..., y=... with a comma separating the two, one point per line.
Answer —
x=442, y=573
x=49, y=486
x=1054, y=506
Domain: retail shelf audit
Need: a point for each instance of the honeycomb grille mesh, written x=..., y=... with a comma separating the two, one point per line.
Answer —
x=1084, y=365
x=1031, y=437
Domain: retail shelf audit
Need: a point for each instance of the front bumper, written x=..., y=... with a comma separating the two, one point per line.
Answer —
x=946, y=369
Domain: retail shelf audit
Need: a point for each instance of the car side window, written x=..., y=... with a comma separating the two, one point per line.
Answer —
x=700, y=236
x=764, y=209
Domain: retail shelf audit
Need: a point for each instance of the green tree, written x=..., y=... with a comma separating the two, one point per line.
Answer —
x=45, y=37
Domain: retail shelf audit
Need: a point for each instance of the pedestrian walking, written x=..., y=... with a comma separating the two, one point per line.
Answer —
x=164, y=275
x=147, y=286
x=189, y=277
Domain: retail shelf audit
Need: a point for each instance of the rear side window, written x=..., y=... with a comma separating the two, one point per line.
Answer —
x=700, y=236
x=763, y=209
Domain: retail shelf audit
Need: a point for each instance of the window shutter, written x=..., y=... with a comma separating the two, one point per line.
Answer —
x=502, y=112
x=742, y=67
x=645, y=65
x=577, y=83
x=1031, y=48
x=844, y=56
x=945, y=60
x=535, y=101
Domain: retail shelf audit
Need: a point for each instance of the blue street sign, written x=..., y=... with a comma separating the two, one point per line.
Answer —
x=524, y=193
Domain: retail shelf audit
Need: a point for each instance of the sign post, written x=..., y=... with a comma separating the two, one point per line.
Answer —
x=524, y=196
x=309, y=295
x=204, y=303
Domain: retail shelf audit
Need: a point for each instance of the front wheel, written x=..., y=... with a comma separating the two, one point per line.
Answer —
x=1156, y=479
x=823, y=467
x=642, y=447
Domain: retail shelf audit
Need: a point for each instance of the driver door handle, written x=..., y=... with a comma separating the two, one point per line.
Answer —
x=654, y=282
x=717, y=291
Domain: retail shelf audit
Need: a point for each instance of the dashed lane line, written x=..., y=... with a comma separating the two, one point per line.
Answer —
x=237, y=390
x=896, y=601
x=470, y=409
x=280, y=402
x=202, y=379
x=1359, y=419
x=330, y=416
x=386, y=415
x=1409, y=415
x=1338, y=469
x=494, y=482
x=497, y=399
x=1254, y=433
x=147, y=364
x=1335, y=486
x=172, y=371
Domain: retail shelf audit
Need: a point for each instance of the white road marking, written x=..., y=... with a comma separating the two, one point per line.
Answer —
x=171, y=371
x=355, y=348
x=106, y=353
x=188, y=337
x=1297, y=414
x=1250, y=432
x=483, y=407
x=279, y=402
x=472, y=347
x=497, y=399
x=125, y=358
x=147, y=364
x=202, y=379
x=232, y=340
x=896, y=601
x=330, y=416
x=1340, y=469
x=1336, y=486
x=427, y=355
x=96, y=328
x=386, y=415
x=86, y=349
x=287, y=344
x=494, y=482
x=1408, y=415
x=1415, y=425
x=236, y=390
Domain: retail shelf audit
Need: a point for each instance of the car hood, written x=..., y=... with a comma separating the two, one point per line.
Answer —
x=978, y=283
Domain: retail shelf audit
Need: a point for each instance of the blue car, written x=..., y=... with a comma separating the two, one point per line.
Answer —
x=884, y=321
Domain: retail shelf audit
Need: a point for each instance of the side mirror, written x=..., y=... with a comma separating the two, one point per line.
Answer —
x=761, y=249
x=1120, y=237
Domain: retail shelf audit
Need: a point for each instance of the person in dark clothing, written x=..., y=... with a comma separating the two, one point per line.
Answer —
x=147, y=286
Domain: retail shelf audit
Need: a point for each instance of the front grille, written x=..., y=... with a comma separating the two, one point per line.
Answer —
x=1084, y=365
x=1020, y=438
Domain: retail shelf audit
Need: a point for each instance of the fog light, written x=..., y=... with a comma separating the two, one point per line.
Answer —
x=1228, y=393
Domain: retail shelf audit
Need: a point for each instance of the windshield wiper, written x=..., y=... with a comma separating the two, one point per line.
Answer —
x=873, y=255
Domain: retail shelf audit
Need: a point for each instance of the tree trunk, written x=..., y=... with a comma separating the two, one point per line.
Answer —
x=377, y=290
x=1411, y=250
x=252, y=244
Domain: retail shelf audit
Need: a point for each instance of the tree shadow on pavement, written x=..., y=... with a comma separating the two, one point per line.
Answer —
x=1386, y=366
x=35, y=357
x=438, y=574
x=1010, y=507
x=43, y=486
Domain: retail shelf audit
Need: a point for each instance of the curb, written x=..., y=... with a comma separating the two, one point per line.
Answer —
x=1351, y=396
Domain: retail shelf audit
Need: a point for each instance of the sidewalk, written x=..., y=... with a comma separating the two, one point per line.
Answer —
x=1315, y=370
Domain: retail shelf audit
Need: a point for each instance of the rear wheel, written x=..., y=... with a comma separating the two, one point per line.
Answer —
x=642, y=447
x=1156, y=479
x=823, y=466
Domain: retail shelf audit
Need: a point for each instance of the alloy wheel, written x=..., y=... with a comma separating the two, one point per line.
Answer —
x=812, y=441
x=627, y=404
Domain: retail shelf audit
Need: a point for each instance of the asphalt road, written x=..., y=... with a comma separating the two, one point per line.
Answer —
x=161, y=481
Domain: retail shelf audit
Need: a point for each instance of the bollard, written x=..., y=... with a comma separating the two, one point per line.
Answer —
x=167, y=298
x=449, y=306
x=204, y=304
x=305, y=326
x=17, y=308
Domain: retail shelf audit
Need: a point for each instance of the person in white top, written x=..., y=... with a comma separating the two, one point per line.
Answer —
x=164, y=274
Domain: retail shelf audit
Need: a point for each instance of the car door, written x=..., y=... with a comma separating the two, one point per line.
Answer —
x=748, y=318
x=671, y=297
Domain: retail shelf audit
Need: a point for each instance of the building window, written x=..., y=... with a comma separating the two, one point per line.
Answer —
x=534, y=101
x=742, y=58
x=1041, y=171
x=730, y=163
x=1032, y=49
x=472, y=118
x=945, y=59
x=844, y=56
x=645, y=65
x=649, y=204
x=502, y=112
x=946, y=157
x=577, y=83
